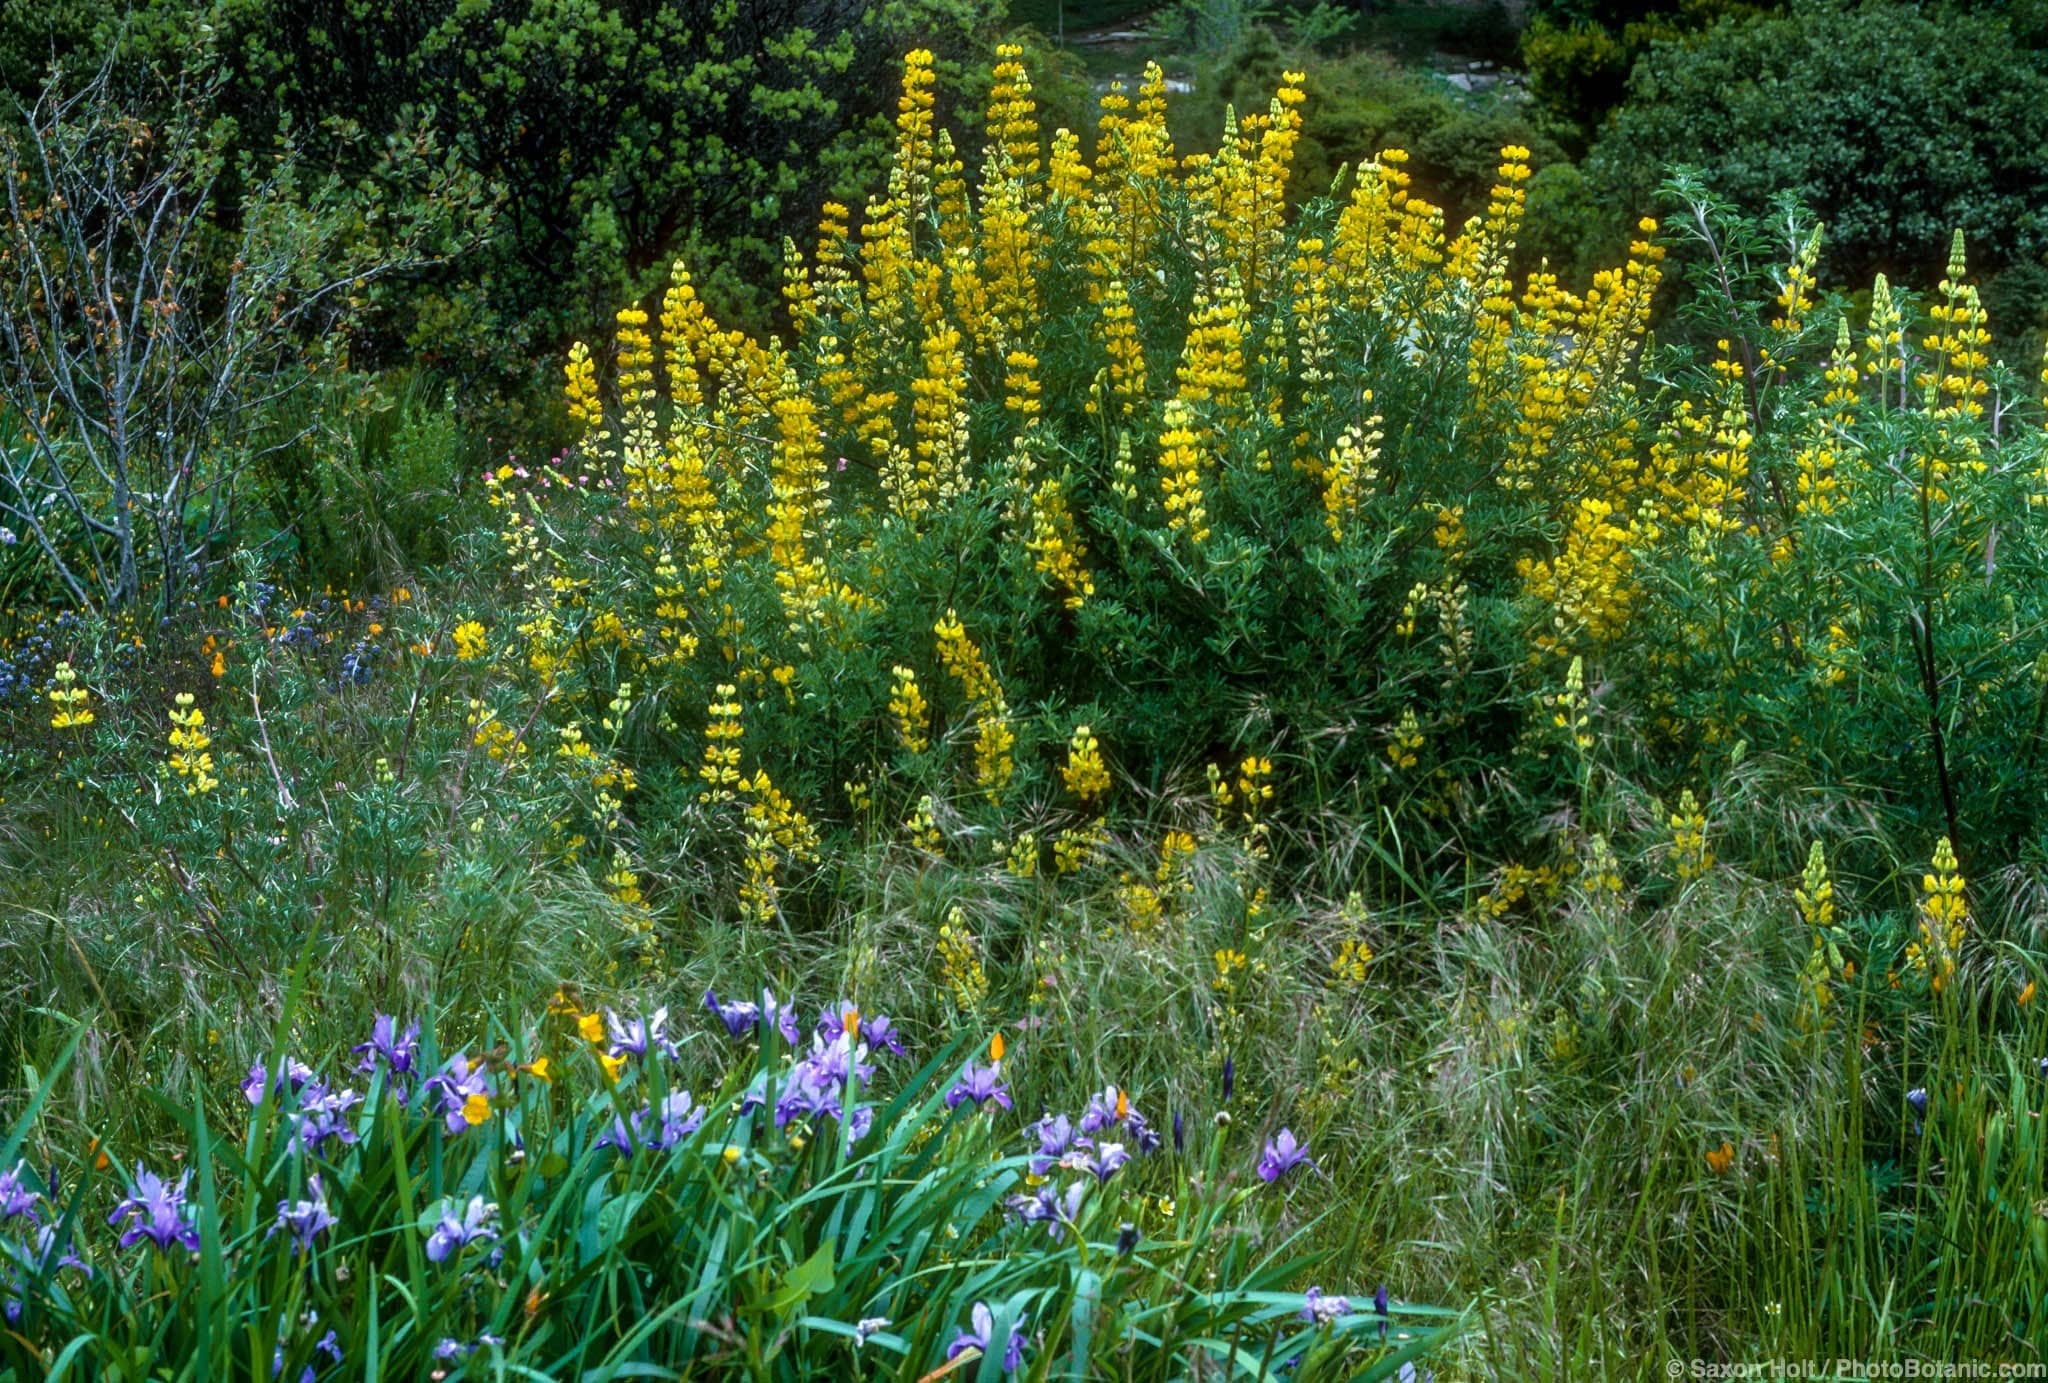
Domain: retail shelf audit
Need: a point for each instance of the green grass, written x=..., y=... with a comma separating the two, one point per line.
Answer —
x=1512, y=1110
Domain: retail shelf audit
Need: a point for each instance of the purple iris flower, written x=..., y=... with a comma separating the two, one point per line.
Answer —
x=322, y=1115
x=1283, y=1154
x=455, y=1085
x=1318, y=1309
x=680, y=1117
x=1379, y=1306
x=1102, y=1111
x=781, y=1017
x=639, y=1036
x=1055, y=1135
x=1180, y=1134
x=450, y=1349
x=398, y=1051
x=1048, y=1207
x=330, y=1345
x=290, y=1080
x=739, y=1016
x=158, y=1212
x=979, y=1084
x=1099, y=1162
x=880, y=1031
x=876, y=1030
x=40, y=1263
x=454, y=1232
x=1102, y=1114
x=833, y=1061
x=806, y=1097
x=859, y=1122
x=16, y=1196
x=306, y=1219
x=984, y=1325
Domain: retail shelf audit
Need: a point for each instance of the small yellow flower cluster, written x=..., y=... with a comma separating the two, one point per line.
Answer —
x=1587, y=586
x=471, y=642
x=1181, y=463
x=722, y=734
x=1077, y=847
x=584, y=408
x=1515, y=883
x=1254, y=785
x=1352, y=471
x=71, y=704
x=1056, y=545
x=1353, y=957
x=622, y=883
x=960, y=962
x=1176, y=849
x=1144, y=910
x=923, y=829
x=1569, y=707
x=491, y=734
x=907, y=705
x=1603, y=871
x=1690, y=856
x=1955, y=385
x=1084, y=772
x=1230, y=965
x=1944, y=919
x=798, y=503
x=1815, y=898
x=636, y=359
x=993, y=737
x=1022, y=859
x=1406, y=743
x=189, y=741
x=1817, y=484
x=776, y=830
x=1795, y=294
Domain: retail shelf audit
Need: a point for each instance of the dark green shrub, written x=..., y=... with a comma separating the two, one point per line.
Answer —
x=1896, y=124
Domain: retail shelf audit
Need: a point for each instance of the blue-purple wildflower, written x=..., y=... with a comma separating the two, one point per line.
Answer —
x=640, y=1036
x=680, y=1117
x=1318, y=1309
x=977, y=1337
x=293, y=1077
x=398, y=1052
x=1046, y=1206
x=1055, y=1134
x=806, y=1095
x=876, y=1030
x=454, y=1086
x=1283, y=1154
x=305, y=1220
x=322, y=1116
x=980, y=1084
x=1100, y=1162
x=18, y=1194
x=455, y=1232
x=739, y=1016
x=157, y=1211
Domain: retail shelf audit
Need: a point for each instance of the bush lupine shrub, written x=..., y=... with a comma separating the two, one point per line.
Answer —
x=561, y=1204
x=1128, y=447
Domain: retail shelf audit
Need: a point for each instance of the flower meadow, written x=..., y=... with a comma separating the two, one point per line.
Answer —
x=1362, y=811
x=831, y=1204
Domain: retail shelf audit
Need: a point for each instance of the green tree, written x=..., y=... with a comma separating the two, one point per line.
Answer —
x=1896, y=124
